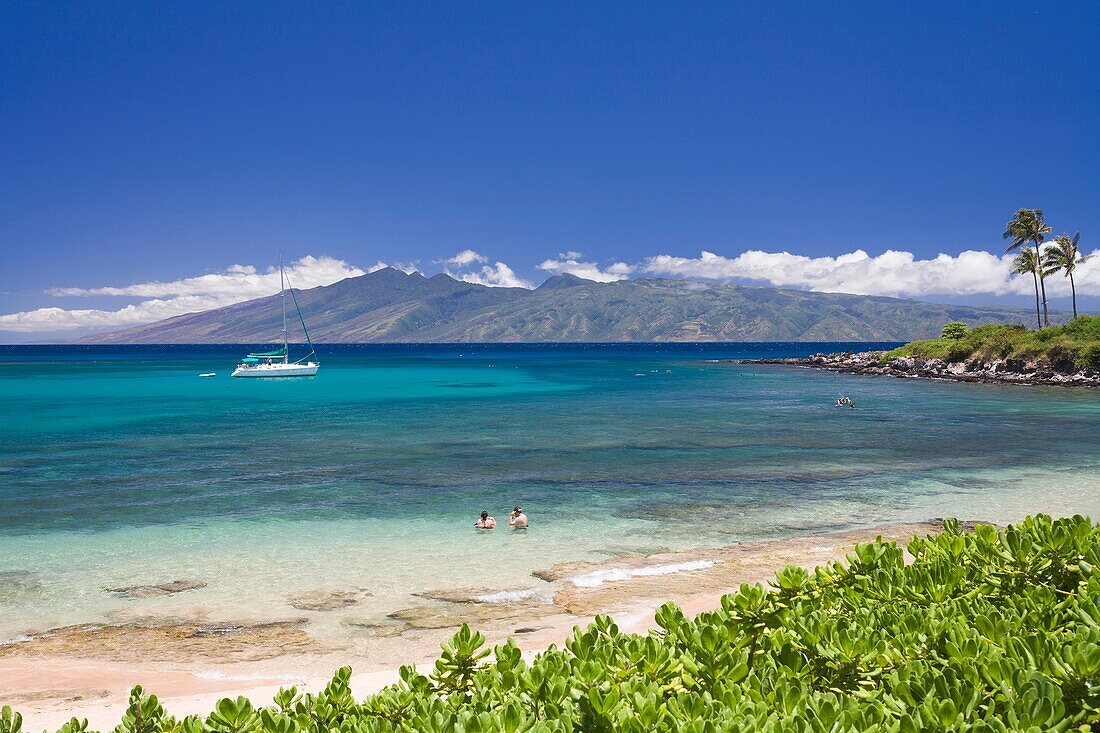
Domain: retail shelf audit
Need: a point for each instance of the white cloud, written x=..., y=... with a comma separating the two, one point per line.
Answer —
x=239, y=282
x=147, y=311
x=497, y=275
x=466, y=257
x=570, y=262
x=406, y=267
x=188, y=295
x=892, y=273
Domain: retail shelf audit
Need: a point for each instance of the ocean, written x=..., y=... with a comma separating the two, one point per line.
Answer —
x=120, y=466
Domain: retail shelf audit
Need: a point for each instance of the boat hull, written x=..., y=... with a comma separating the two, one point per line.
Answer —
x=269, y=371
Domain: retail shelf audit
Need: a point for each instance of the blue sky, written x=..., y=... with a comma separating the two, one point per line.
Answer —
x=158, y=142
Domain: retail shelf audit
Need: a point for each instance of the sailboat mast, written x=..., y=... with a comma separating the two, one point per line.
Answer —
x=282, y=297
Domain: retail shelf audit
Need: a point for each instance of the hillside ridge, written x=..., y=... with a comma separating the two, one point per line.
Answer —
x=389, y=305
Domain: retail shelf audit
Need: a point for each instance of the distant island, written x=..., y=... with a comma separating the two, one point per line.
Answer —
x=1057, y=355
x=391, y=306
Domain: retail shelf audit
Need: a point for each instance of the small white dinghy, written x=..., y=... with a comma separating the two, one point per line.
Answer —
x=208, y=374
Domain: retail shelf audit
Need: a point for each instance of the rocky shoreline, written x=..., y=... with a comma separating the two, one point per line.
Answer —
x=1009, y=371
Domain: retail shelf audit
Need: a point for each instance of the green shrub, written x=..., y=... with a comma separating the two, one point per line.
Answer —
x=927, y=349
x=1046, y=335
x=1088, y=359
x=959, y=351
x=999, y=346
x=991, y=631
x=10, y=722
x=955, y=330
x=997, y=329
x=1084, y=328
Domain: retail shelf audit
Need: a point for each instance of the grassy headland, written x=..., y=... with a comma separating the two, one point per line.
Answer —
x=990, y=630
x=1070, y=348
x=1066, y=355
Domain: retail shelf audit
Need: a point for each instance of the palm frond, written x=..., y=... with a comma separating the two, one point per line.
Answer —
x=1025, y=263
x=1063, y=255
x=1027, y=225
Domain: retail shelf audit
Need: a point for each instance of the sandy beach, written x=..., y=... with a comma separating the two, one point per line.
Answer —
x=87, y=671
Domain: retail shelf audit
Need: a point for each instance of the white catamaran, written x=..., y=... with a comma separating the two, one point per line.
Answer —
x=277, y=363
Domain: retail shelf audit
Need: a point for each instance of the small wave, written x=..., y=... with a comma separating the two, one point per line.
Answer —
x=543, y=595
x=22, y=639
x=598, y=577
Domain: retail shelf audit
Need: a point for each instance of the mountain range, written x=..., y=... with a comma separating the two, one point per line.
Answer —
x=392, y=306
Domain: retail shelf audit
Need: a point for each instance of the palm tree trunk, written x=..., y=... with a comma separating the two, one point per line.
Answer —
x=1038, y=318
x=1042, y=285
x=1073, y=290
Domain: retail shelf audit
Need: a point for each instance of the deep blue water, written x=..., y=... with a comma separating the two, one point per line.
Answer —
x=97, y=436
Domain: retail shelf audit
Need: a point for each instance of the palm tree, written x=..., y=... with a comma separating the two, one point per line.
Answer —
x=1028, y=226
x=1024, y=263
x=1064, y=256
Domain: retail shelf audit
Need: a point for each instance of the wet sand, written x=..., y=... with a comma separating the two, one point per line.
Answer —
x=87, y=671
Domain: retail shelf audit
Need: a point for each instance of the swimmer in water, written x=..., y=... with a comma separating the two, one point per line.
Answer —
x=517, y=520
x=486, y=522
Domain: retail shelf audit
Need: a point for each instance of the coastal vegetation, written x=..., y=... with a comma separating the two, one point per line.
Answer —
x=1072, y=347
x=996, y=352
x=1064, y=256
x=985, y=630
x=955, y=330
x=1026, y=263
x=1029, y=227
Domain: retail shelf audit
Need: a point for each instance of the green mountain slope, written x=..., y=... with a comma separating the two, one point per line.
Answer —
x=391, y=306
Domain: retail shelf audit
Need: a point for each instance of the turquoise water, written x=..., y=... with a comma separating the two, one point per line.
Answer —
x=120, y=466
